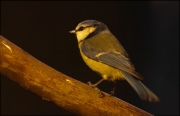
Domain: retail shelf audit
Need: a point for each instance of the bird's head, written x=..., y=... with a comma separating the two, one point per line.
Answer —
x=87, y=28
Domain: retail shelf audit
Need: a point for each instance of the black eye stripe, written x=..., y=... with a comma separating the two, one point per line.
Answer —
x=82, y=28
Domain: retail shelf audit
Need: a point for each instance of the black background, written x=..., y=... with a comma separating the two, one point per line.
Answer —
x=149, y=31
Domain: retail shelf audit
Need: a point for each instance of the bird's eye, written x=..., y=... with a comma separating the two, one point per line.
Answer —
x=81, y=28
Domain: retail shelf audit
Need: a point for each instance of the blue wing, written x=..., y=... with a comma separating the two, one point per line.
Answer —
x=120, y=62
x=108, y=51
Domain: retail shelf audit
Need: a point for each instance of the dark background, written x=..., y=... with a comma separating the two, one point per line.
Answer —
x=149, y=31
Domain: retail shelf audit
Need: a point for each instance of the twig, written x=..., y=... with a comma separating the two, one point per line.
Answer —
x=54, y=86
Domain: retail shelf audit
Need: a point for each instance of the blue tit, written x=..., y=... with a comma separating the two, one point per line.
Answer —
x=104, y=54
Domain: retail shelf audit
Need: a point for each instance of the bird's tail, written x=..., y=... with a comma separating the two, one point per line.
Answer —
x=143, y=92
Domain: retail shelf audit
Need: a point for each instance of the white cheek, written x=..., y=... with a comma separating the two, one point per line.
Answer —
x=81, y=35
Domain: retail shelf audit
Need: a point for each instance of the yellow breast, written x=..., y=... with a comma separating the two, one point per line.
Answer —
x=107, y=72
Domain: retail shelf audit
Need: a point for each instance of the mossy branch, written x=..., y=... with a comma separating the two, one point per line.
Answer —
x=54, y=86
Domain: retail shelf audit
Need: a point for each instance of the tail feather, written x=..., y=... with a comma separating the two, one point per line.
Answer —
x=143, y=92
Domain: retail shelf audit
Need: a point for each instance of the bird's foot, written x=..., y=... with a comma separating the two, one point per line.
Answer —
x=90, y=84
x=101, y=94
x=112, y=93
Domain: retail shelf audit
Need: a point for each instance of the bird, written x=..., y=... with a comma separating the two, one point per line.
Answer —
x=105, y=55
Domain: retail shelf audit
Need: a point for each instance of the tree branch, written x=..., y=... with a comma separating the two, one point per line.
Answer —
x=54, y=86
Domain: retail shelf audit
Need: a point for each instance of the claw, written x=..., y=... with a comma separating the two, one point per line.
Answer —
x=101, y=95
x=89, y=83
x=112, y=93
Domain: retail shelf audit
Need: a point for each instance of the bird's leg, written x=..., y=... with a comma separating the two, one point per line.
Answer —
x=95, y=86
x=112, y=92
